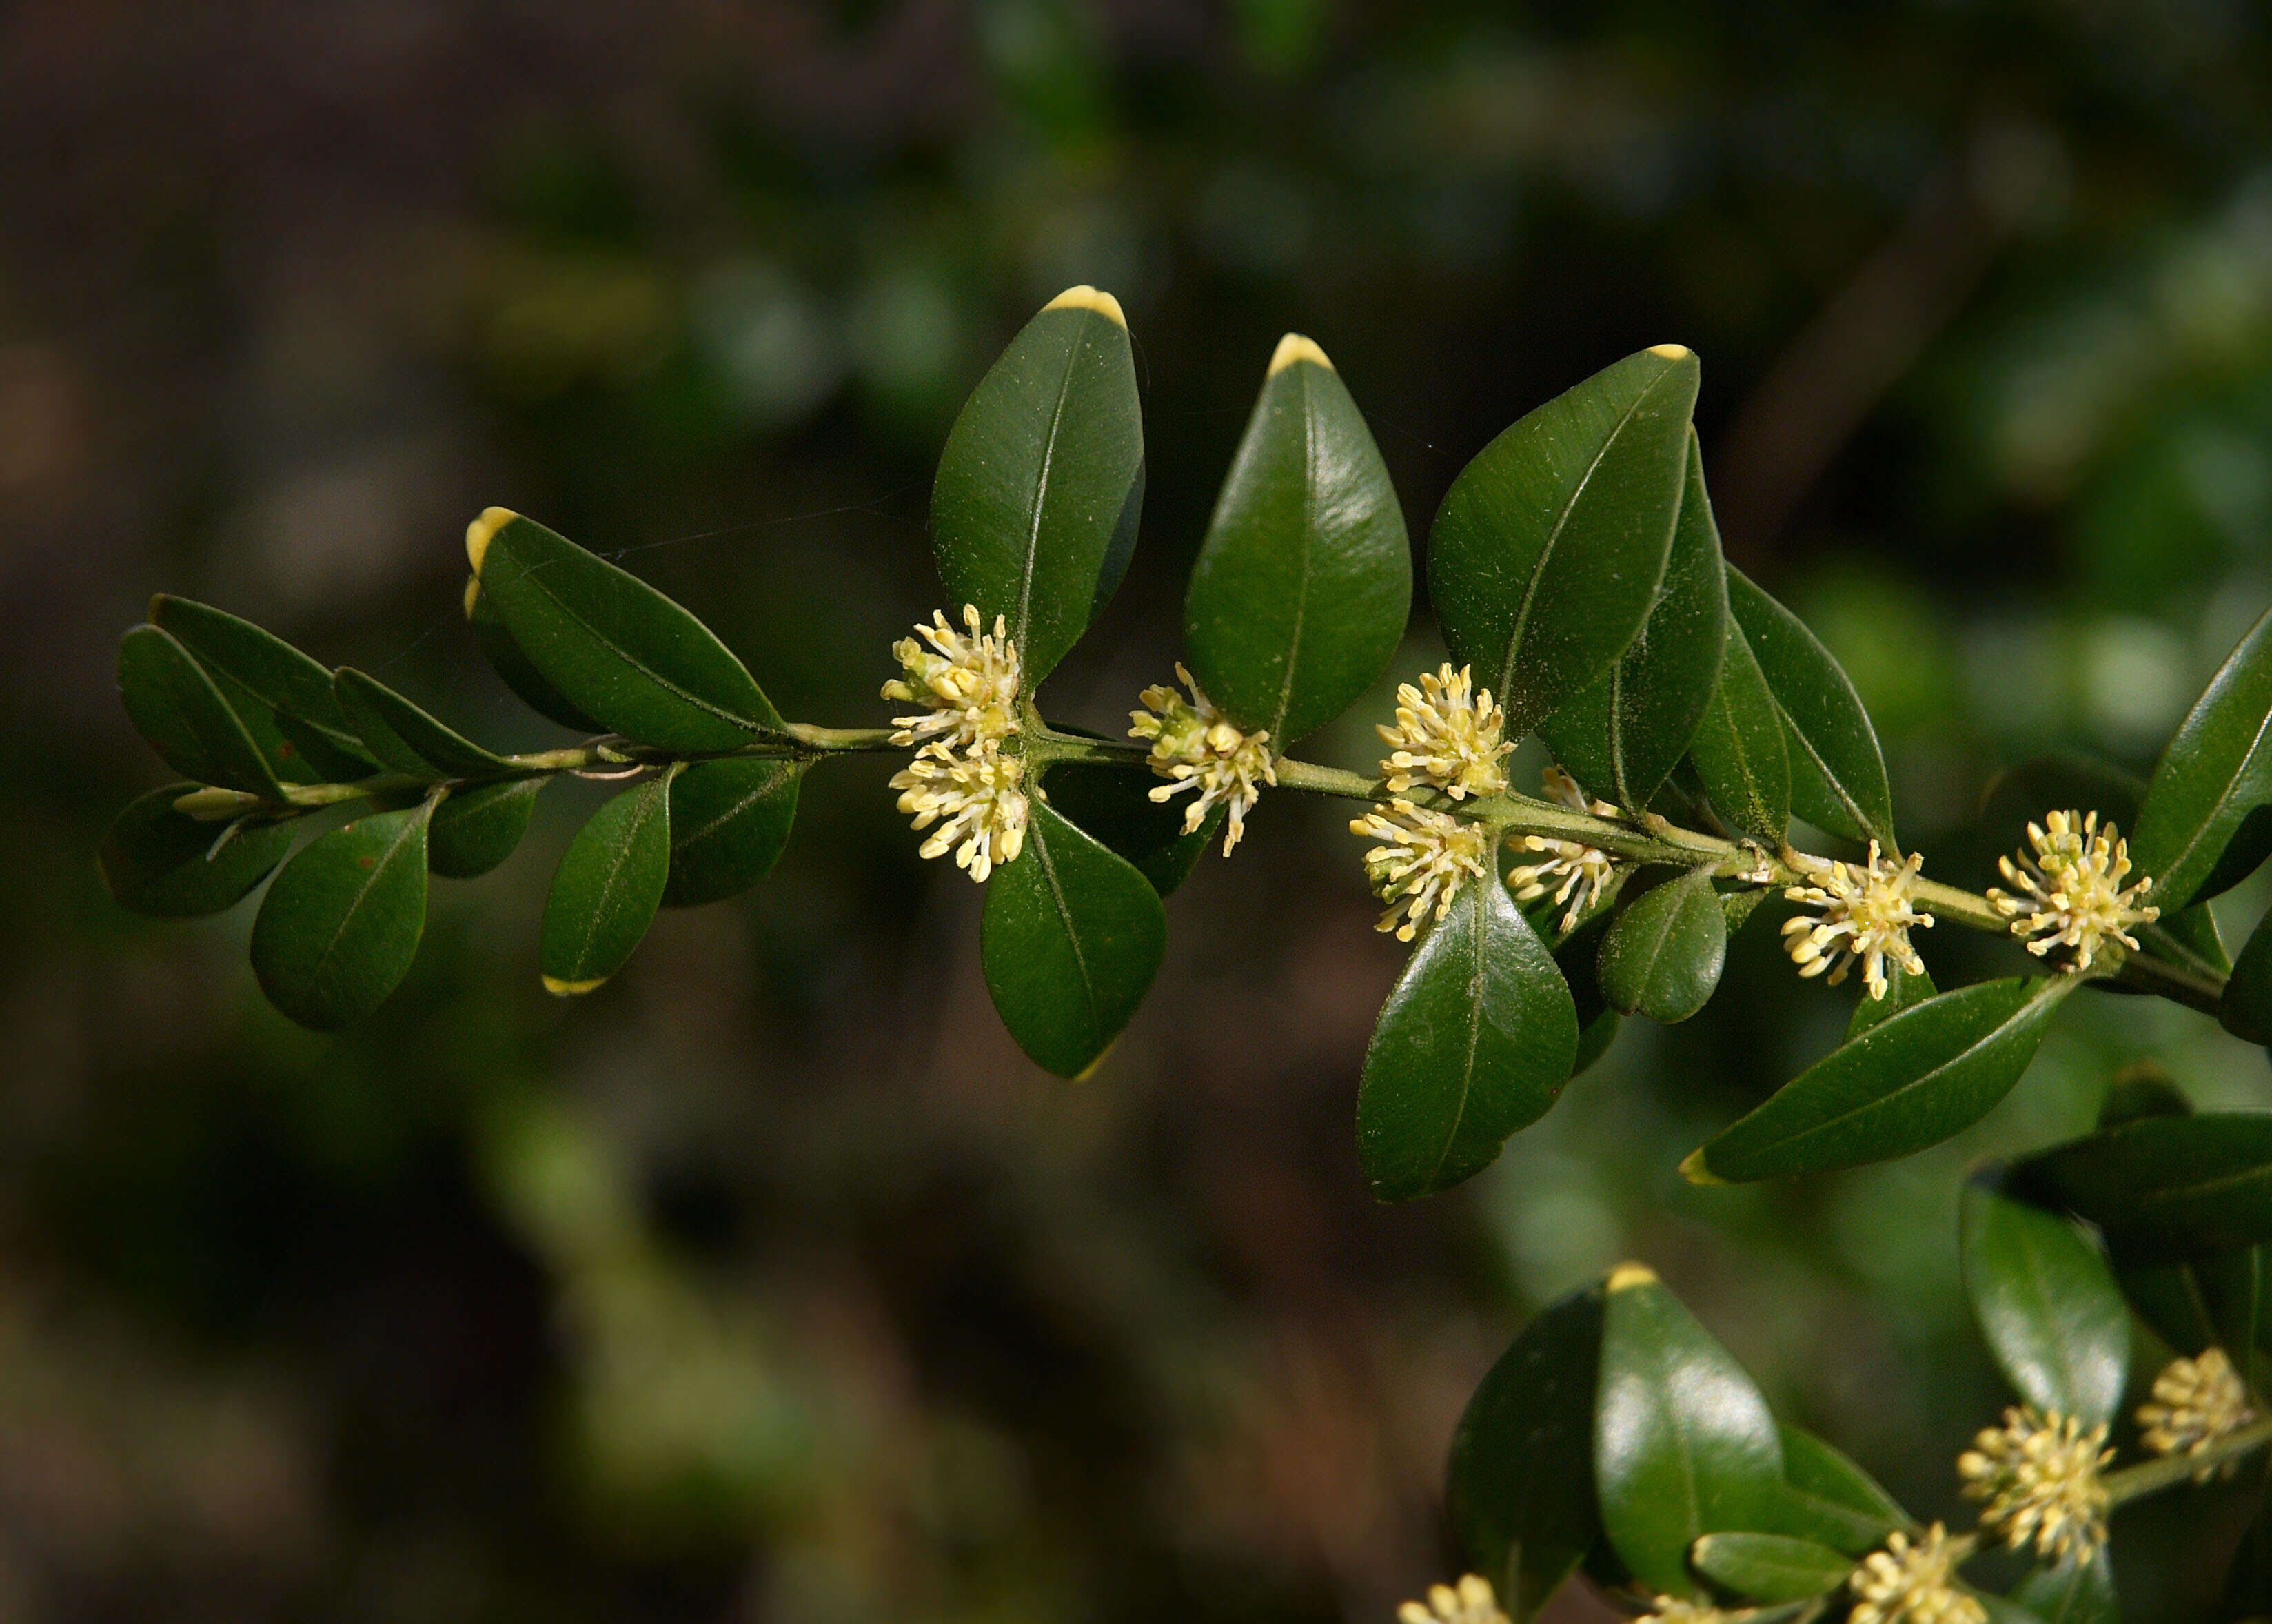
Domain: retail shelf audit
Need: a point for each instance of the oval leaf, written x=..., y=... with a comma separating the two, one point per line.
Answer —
x=2164, y=1188
x=1302, y=587
x=338, y=930
x=1912, y=1080
x=279, y=678
x=2072, y=1594
x=1625, y=734
x=1520, y=1492
x=2215, y=772
x=479, y=826
x=1662, y=957
x=1070, y=939
x=1770, y=1567
x=1034, y=514
x=1830, y=1500
x=1682, y=1442
x=616, y=648
x=1740, y=751
x=607, y=888
x=1114, y=806
x=175, y=707
x=729, y=820
x=405, y=737
x=1546, y=556
x=2245, y=1006
x=1837, y=774
x=1903, y=988
x=507, y=659
x=1476, y=1042
x=2047, y=1303
x=159, y=862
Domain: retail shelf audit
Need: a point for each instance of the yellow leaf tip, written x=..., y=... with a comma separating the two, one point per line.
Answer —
x=473, y=593
x=1295, y=348
x=1669, y=352
x=573, y=989
x=1694, y=1171
x=1625, y=1277
x=479, y=533
x=1084, y=297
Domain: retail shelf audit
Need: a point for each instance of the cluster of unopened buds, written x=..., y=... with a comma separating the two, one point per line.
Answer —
x=2039, y=1474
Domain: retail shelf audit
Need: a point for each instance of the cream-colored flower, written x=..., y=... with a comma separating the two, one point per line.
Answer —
x=1472, y=1602
x=1912, y=1583
x=1423, y=859
x=1865, y=913
x=1673, y=1610
x=1584, y=871
x=978, y=796
x=1201, y=749
x=2196, y=1402
x=2072, y=893
x=1447, y=738
x=968, y=685
x=2039, y=1474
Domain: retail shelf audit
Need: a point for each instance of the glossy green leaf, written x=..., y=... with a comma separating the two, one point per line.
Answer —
x=1624, y=734
x=1114, y=806
x=1070, y=939
x=1770, y=1567
x=513, y=666
x=1520, y=1489
x=175, y=707
x=2243, y=855
x=1903, y=988
x=1741, y=757
x=2047, y=1302
x=2246, y=1007
x=618, y=650
x=1548, y=551
x=1837, y=774
x=405, y=737
x=2215, y=772
x=729, y=820
x=607, y=888
x=246, y=659
x=2066, y=782
x=2076, y=1593
x=1682, y=1442
x=1909, y=1081
x=159, y=862
x=1035, y=511
x=1829, y=1499
x=1594, y=1040
x=1303, y=586
x=1475, y=1041
x=1662, y=957
x=479, y=826
x=2217, y=1298
x=339, y=928
x=2164, y=1188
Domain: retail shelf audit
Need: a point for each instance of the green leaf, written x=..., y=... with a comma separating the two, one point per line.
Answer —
x=2073, y=1593
x=1114, y=806
x=2246, y=1007
x=1830, y=1499
x=1837, y=776
x=607, y=888
x=479, y=826
x=1682, y=1442
x=283, y=698
x=1624, y=733
x=175, y=706
x=729, y=820
x=160, y=862
x=1740, y=751
x=1903, y=988
x=1475, y=1041
x=2047, y=1303
x=2212, y=1298
x=1547, y=553
x=2215, y=772
x=1770, y=1567
x=2243, y=855
x=2164, y=1188
x=2248, y=1582
x=1070, y=939
x=405, y=737
x=1035, y=511
x=339, y=928
x=1302, y=587
x=1909, y=1081
x=618, y=649
x=1519, y=1490
x=514, y=667
x=1661, y=958
x=1594, y=1040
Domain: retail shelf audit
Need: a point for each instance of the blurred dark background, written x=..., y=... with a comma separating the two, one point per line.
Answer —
x=772, y=1283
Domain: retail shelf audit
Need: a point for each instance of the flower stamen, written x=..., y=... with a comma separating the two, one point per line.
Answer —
x=2039, y=1473
x=2196, y=1402
x=1422, y=861
x=968, y=685
x=1865, y=913
x=1447, y=738
x=1912, y=1582
x=2071, y=890
x=1201, y=749
x=1473, y=1602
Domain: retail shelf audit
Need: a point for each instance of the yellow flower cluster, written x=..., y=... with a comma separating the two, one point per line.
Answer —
x=2039, y=1474
x=2071, y=888
x=1912, y=1582
x=1423, y=859
x=1584, y=871
x=2196, y=1402
x=1201, y=749
x=959, y=778
x=1447, y=738
x=1473, y=1602
x=1862, y=913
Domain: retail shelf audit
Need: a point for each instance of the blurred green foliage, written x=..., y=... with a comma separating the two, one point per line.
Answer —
x=772, y=1283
